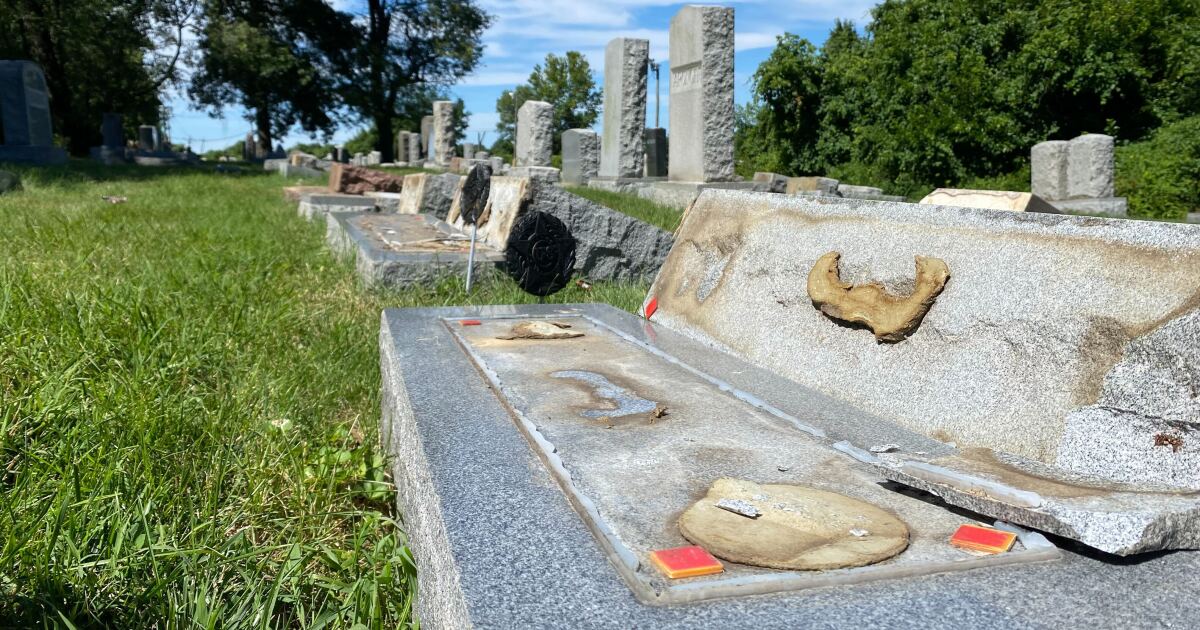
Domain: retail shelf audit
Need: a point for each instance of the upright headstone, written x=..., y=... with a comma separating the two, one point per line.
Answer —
x=443, y=132
x=656, y=152
x=341, y=155
x=112, y=132
x=468, y=150
x=701, y=94
x=580, y=156
x=162, y=144
x=1090, y=166
x=401, y=146
x=148, y=138
x=1048, y=164
x=25, y=115
x=374, y=158
x=426, y=131
x=622, y=151
x=535, y=126
x=414, y=148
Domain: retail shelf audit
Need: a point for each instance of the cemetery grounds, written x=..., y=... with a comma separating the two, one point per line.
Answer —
x=189, y=400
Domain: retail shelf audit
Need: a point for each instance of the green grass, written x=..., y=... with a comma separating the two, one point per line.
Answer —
x=189, y=399
x=632, y=205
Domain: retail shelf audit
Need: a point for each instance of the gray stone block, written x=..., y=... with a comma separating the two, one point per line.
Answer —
x=622, y=148
x=547, y=173
x=414, y=148
x=404, y=250
x=426, y=138
x=535, y=126
x=1116, y=207
x=112, y=131
x=443, y=132
x=701, y=94
x=826, y=185
x=24, y=105
x=316, y=205
x=1048, y=168
x=1090, y=167
x=855, y=192
x=428, y=193
x=774, y=182
x=609, y=245
x=656, y=153
x=1043, y=320
x=580, y=156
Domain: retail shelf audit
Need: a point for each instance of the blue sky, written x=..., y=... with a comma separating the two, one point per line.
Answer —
x=524, y=31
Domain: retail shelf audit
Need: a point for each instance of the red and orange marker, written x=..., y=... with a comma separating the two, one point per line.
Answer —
x=469, y=322
x=650, y=307
x=682, y=562
x=985, y=539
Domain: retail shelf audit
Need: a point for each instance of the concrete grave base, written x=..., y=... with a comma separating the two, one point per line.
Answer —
x=313, y=206
x=1117, y=207
x=401, y=250
x=524, y=511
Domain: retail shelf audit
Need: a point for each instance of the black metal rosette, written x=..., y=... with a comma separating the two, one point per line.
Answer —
x=541, y=253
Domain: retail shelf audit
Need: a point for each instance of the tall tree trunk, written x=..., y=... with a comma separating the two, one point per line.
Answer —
x=262, y=120
x=387, y=138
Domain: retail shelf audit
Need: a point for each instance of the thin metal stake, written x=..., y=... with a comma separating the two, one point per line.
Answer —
x=471, y=257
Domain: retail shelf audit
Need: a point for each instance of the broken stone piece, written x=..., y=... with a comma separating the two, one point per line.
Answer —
x=737, y=506
x=540, y=329
x=892, y=318
x=800, y=529
x=356, y=180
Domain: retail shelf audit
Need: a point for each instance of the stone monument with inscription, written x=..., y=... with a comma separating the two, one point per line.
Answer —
x=621, y=149
x=25, y=120
x=701, y=103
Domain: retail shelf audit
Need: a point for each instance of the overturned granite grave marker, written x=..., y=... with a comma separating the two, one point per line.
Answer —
x=734, y=402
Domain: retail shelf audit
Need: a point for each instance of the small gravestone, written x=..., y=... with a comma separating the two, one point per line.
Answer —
x=402, y=146
x=112, y=144
x=414, y=149
x=535, y=125
x=443, y=132
x=580, y=156
x=25, y=115
x=656, y=152
x=701, y=103
x=623, y=150
x=341, y=155
x=1077, y=175
x=427, y=136
x=468, y=150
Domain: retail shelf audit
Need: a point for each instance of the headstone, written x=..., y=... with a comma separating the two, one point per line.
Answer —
x=25, y=115
x=535, y=125
x=468, y=150
x=482, y=155
x=374, y=158
x=1078, y=175
x=497, y=164
x=162, y=144
x=443, y=132
x=989, y=200
x=1048, y=165
x=656, y=152
x=314, y=206
x=341, y=155
x=401, y=146
x=580, y=156
x=148, y=139
x=623, y=146
x=428, y=193
x=701, y=94
x=426, y=135
x=112, y=131
x=414, y=148
x=772, y=182
x=809, y=184
x=1090, y=166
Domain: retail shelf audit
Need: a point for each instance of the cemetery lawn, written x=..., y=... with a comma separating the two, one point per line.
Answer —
x=632, y=205
x=189, y=399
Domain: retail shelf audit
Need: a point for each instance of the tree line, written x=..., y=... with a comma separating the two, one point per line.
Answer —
x=941, y=92
x=288, y=63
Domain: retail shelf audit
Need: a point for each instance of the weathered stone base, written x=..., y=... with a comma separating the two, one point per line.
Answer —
x=32, y=155
x=1117, y=207
x=316, y=205
x=402, y=250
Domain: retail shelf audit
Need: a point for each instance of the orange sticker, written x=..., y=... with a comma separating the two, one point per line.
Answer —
x=985, y=539
x=470, y=322
x=682, y=562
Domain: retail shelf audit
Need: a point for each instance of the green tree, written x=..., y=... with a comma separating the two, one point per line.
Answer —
x=566, y=83
x=98, y=56
x=403, y=50
x=269, y=56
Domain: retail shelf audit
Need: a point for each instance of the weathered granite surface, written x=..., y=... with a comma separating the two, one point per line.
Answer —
x=465, y=488
x=315, y=205
x=988, y=199
x=581, y=156
x=443, y=131
x=404, y=250
x=1048, y=169
x=427, y=193
x=414, y=148
x=1090, y=166
x=622, y=148
x=826, y=185
x=356, y=180
x=701, y=94
x=546, y=173
x=1032, y=330
x=535, y=129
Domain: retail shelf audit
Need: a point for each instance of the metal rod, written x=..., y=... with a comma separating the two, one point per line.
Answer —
x=471, y=257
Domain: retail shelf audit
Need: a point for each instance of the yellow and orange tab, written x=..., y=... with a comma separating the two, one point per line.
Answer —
x=985, y=539
x=682, y=562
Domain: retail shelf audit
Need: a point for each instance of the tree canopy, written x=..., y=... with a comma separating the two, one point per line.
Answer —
x=566, y=83
x=935, y=92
